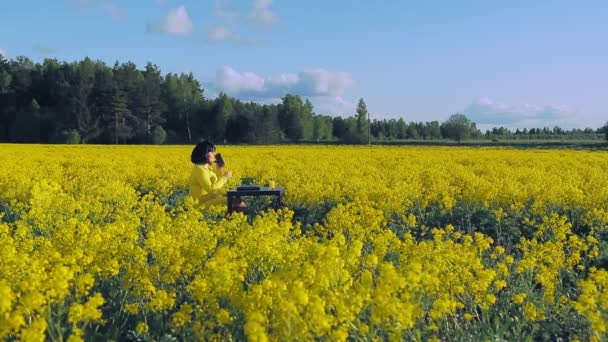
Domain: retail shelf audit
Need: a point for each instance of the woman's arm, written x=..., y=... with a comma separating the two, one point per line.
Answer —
x=208, y=185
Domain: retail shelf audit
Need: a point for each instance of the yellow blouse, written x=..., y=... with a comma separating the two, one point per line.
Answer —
x=204, y=185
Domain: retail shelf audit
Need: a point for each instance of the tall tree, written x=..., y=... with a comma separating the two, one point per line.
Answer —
x=345, y=130
x=412, y=131
x=5, y=99
x=52, y=93
x=291, y=117
x=339, y=127
x=604, y=129
x=150, y=106
x=322, y=128
x=435, y=130
x=363, y=120
x=18, y=97
x=221, y=111
x=29, y=125
x=81, y=88
x=239, y=128
x=102, y=106
x=184, y=96
x=266, y=125
x=193, y=98
x=5, y=75
x=307, y=118
x=22, y=69
x=120, y=120
x=401, y=129
x=458, y=127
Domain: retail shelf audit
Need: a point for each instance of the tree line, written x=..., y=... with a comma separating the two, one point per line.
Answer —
x=90, y=102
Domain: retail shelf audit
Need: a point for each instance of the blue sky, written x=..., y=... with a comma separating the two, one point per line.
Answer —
x=510, y=63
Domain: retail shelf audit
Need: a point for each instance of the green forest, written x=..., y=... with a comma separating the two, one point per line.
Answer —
x=90, y=102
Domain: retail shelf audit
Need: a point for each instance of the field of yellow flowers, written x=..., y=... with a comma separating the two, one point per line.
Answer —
x=374, y=243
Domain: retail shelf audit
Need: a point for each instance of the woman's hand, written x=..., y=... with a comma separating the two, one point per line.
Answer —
x=228, y=174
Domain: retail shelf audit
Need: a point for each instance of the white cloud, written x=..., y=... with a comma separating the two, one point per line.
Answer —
x=221, y=34
x=177, y=22
x=218, y=34
x=230, y=18
x=488, y=113
x=308, y=83
x=321, y=82
x=261, y=13
x=234, y=82
x=335, y=106
x=3, y=53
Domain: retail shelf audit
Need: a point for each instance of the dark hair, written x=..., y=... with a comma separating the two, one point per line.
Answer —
x=199, y=153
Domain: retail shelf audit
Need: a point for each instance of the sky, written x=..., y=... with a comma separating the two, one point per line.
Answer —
x=517, y=64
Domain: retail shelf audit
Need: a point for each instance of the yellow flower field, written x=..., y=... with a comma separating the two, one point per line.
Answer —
x=374, y=243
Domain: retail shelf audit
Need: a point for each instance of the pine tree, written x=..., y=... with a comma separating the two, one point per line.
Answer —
x=119, y=120
x=149, y=104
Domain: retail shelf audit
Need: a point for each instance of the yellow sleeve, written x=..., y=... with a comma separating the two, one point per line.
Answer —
x=209, y=185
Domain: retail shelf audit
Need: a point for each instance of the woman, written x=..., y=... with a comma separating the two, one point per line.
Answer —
x=204, y=182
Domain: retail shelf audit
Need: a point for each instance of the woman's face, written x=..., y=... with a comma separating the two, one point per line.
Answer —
x=211, y=157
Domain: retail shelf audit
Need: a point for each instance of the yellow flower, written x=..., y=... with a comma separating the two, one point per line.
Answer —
x=88, y=311
x=519, y=298
x=182, y=317
x=223, y=317
x=500, y=284
x=132, y=308
x=371, y=251
x=141, y=328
